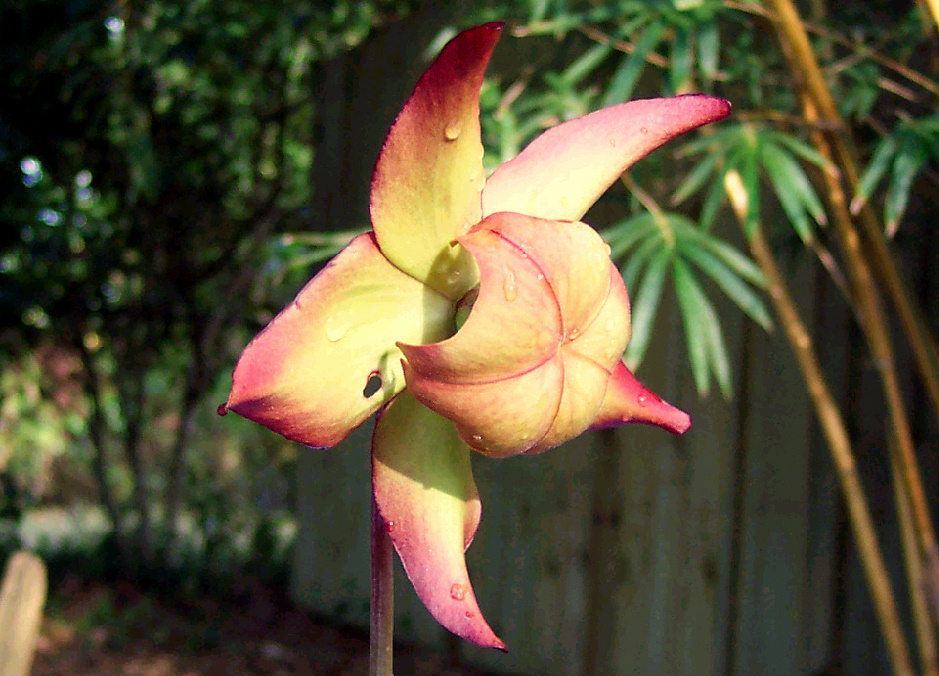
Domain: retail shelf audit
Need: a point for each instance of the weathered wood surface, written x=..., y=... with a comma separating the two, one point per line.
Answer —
x=22, y=597
x=634, y=552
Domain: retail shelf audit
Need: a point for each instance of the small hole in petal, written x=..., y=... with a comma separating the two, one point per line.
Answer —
x=372, y=385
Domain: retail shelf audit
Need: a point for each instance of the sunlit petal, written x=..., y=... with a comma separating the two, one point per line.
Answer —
x=563, y=172
x=307, y=374
x=427, y=181
x=426, y=495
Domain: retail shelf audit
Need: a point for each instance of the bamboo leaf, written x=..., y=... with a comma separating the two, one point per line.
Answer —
x=696, y=336
x=640, y=257
x=709, y=48
x=876, y=168
x=729, y=282
x=696, y=178
x=626, y=76
x=783, y=176
x=645, y=306
x=682, y=54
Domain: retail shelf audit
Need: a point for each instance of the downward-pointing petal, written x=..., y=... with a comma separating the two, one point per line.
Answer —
x=563, y=171
x=425, y=492
x=307, y=374
x=427, y=181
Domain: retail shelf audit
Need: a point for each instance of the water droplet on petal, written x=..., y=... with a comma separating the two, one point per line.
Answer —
x=336, y=328
x=573, y=333
x=641, y=399
x=469, y=614
x=476, y=437
x=607, y=248
x=508, y=284
x=612, y=142
x=389, y=526
x=540, y=276
x=222, y=409
x=457, y=592
x=643, y=130
x=452, y=131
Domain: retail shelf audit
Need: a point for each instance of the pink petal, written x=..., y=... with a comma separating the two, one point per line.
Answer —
x=629, y=401
x=427, y=181
x=529, y=368
x=425, y=492
x=563, y=172
x=306, y=374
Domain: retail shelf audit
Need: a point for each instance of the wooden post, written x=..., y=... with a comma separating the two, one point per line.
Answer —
x=22, y=597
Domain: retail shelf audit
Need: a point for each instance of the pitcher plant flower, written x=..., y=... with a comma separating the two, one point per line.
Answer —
x=477, y=314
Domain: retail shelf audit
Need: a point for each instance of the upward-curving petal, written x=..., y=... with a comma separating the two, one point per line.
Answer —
x=328, y=360
x=424, y=488
x=427, y=181
x=561, y=173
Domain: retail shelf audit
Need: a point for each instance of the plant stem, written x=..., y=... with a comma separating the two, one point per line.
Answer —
x=382, y=609
x=819, y=106
x=836, y=434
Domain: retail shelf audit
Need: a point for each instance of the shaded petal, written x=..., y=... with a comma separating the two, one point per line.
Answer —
x=629, y=401
x=561, y=173
x=427, y=181
x=529, y=368
x=305, y=375
x=425, y=492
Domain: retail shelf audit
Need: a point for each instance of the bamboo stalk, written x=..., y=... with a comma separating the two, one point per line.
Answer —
x=836, y=434
x=819, y=106
x=925, y=640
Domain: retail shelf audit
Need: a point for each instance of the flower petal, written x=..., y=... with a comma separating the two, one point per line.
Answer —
x=629, y=401
x=310, y=373
x=529, y=368
x=425, y=492
x=561, y=173
x=427, y=181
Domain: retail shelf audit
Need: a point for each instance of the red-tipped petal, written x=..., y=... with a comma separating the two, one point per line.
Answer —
x=563, y=172
x=629, y=401
x=425, y=492
x=306, y=375
x=427, y=181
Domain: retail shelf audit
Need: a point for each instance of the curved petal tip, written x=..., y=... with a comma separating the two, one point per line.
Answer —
x=629, y=401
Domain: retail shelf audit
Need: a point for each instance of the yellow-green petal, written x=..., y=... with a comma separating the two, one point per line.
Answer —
x=424, y=489
x=328, y=360
x=427, y=181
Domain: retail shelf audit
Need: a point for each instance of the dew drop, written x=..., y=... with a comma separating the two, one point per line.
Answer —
x=452, y=131
x=573, y=333
x=457, y=592
x=643, y=130
x=389, y=526
x=469, y=614
x=336, y=329
x=476, y=437
x=642, y=399
x=222, y=409
x=607, y=248
x=540, y=276
x=612, y=142
x=508, y=285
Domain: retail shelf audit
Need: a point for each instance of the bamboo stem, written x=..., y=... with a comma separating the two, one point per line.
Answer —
x=381, y=611
x=836, y=434
x=818, y=106
x=925, y=640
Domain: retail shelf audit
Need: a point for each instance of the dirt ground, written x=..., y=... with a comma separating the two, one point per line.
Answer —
x=95, y=630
